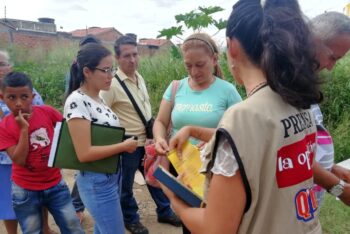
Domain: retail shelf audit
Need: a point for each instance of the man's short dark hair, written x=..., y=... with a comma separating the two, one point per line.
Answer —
x=16, y=80
x=89, y=39
x=123, y=40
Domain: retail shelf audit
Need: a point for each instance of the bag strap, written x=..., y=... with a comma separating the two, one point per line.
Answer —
x=174, y=88
x=142, y=117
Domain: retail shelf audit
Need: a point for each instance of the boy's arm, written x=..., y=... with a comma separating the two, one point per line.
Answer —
x=18, y=153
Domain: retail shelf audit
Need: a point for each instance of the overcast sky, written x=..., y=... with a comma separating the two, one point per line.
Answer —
x=143, y=17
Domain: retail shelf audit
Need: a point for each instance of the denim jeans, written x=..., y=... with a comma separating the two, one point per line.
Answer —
x=77, y=202
x=101, y=196
x=28, y=208
x=130, y=163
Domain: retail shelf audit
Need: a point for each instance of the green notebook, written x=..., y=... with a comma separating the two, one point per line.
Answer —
x=62, y=154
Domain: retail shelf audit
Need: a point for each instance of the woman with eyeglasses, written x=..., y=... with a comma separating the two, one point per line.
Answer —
x=93, y=72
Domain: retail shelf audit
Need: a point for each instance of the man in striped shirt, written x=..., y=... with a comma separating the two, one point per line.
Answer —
x=332, y=33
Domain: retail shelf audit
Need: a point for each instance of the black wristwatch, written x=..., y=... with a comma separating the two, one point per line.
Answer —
x=337, y=189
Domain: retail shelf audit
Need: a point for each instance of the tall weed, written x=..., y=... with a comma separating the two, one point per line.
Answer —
x=158, y=73
x=336, y=106
x=48, y=69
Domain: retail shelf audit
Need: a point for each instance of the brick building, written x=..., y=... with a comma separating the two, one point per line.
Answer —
x=150, y=47
x=106, y=35
x=30, y=34
x=43, y=33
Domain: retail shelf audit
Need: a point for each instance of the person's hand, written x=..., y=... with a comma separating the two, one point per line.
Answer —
x=130, y=145
x=201, y=145
x=341, y=172
x=22, y=120
x=345, y=196
x=179, y=140
x=161, y=147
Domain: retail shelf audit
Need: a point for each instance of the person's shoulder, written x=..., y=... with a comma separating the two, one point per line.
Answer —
x=224, y=83
x=239, y=107
x=181, y=83
x=245, y=110
x=139, y=76
x=46, y=111
x=244, y=114
x=75, y=95
x=7, y=119
x=44, y=108
x=7, y=125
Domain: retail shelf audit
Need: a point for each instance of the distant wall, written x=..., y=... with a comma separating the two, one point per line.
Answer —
x=30, y=39
x=149, y=50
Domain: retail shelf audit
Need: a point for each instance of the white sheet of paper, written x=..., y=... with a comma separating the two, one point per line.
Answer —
x=345, y=164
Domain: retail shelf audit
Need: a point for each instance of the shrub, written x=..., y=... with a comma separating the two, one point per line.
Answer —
x=48, y=69
x=158, y=73
x=336, y=107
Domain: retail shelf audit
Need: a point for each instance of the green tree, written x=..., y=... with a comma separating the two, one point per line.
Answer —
x=195, y=20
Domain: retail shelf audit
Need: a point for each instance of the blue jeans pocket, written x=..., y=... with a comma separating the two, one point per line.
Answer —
x=19, y=195
x=101, y=180
x=61, y=188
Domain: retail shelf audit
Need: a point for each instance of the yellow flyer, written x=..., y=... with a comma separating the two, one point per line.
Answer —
x=188, y=166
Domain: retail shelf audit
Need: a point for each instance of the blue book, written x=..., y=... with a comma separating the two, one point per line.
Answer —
x=181, y=190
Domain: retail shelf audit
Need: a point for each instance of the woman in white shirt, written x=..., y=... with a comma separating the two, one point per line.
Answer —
x=92, y=72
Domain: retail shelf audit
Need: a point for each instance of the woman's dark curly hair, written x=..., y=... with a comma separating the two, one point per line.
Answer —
x=277, y=39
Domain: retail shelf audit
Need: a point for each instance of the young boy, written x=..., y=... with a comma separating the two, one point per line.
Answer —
x=26, y=135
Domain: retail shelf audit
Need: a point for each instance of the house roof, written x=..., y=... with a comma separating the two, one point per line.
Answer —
x=153, y=42
x=32, y=26
x=92, y=30
x=7, y=23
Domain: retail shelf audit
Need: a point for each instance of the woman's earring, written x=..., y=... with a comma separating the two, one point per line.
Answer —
x=232, y=66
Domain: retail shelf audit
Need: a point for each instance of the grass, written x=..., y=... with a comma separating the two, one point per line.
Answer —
x=158, y=72
x=334, y=216
x=336, y=107
x=47, y=70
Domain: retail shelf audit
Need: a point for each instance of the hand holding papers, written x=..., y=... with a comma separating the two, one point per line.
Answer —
x=189, y=186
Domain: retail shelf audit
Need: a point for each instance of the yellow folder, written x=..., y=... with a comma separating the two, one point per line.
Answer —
x=188, y=167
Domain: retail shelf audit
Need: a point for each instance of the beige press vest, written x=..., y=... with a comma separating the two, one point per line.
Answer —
x=275, y=148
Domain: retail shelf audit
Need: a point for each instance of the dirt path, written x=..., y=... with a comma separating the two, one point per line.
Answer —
x=146, y=205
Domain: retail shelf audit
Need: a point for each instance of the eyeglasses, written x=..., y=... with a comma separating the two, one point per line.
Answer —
x=106, y=70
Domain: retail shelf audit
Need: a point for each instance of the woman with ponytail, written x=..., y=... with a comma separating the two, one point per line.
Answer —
x=92, y=72
x=259, y=169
